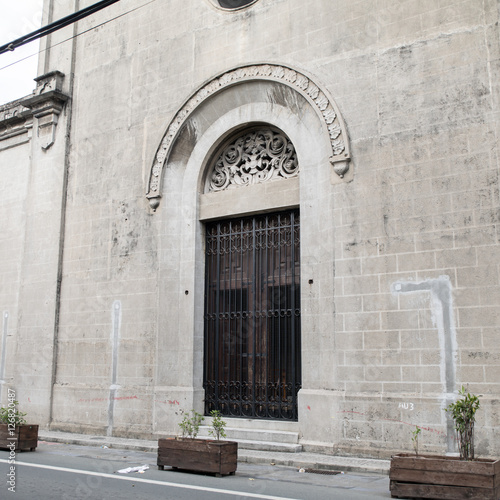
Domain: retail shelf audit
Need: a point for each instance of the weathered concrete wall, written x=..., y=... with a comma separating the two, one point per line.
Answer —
x=33, y=200
x=403, y=251
x=416, y=268
x=15, y=136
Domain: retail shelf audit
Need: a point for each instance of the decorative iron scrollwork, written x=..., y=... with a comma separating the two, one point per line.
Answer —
x=255, y=157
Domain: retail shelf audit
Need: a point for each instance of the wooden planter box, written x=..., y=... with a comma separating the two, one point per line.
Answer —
x=25, y=437
x=200, y=455
x=446, y=478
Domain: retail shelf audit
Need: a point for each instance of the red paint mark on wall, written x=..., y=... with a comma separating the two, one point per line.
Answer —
x=92, y=400
x=123, y=398
x=308, y=407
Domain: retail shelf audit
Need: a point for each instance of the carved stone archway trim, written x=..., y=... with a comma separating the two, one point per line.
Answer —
x=319, y=99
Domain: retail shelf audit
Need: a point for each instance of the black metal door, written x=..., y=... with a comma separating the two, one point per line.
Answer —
x=252, y=358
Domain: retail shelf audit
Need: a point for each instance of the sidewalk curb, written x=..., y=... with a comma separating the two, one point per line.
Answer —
x=316, y=461
x=297, y=460
x=100, y=441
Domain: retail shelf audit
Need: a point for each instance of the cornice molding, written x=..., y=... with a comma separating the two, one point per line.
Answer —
x=45, y=104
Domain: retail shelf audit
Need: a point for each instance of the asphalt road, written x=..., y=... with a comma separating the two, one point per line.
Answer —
x=71, y=472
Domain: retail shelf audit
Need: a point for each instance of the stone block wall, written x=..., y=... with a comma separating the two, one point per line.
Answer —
x=414, y=282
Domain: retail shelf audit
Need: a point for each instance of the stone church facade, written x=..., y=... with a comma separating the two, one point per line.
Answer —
x=284, y=210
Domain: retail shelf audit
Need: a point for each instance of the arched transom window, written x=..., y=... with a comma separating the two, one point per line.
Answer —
x=258, y=155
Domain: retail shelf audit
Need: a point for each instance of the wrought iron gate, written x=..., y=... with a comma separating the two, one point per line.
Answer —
x=252, y=364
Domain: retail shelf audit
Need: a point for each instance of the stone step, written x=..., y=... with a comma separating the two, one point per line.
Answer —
x=268, y=446
x=247, y=434
x=260, y=439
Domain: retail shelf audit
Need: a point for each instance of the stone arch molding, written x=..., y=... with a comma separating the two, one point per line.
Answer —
x=320, y=100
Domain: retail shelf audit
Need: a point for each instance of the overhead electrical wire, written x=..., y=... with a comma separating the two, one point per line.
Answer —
x=74, y=36
x=56, y=25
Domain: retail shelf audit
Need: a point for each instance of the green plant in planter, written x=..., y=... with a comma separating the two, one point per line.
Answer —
x=11, y=415
x=463, y=412
x=217, y=430
x=190, y=424
x=414, y=438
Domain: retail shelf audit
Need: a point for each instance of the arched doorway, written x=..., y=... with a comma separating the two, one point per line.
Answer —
x=209, y=123
x=252, y=353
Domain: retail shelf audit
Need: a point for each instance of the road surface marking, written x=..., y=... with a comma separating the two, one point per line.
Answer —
x=152, y=481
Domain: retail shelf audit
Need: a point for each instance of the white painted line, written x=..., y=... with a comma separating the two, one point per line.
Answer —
x=152, y=481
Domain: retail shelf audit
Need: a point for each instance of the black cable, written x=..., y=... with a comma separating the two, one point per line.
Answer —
x=57, y=25
x=77, y=35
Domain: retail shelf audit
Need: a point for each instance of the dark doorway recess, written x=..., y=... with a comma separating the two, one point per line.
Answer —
x=252, y=364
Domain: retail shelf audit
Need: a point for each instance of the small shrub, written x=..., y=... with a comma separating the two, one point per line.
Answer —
x=463, y=412
x=414, y=438
x=190, y=424
x=11, y=415
x=217, y=430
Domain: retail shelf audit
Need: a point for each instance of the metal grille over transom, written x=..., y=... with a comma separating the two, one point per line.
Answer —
x=257, y=156
x=252, y=316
